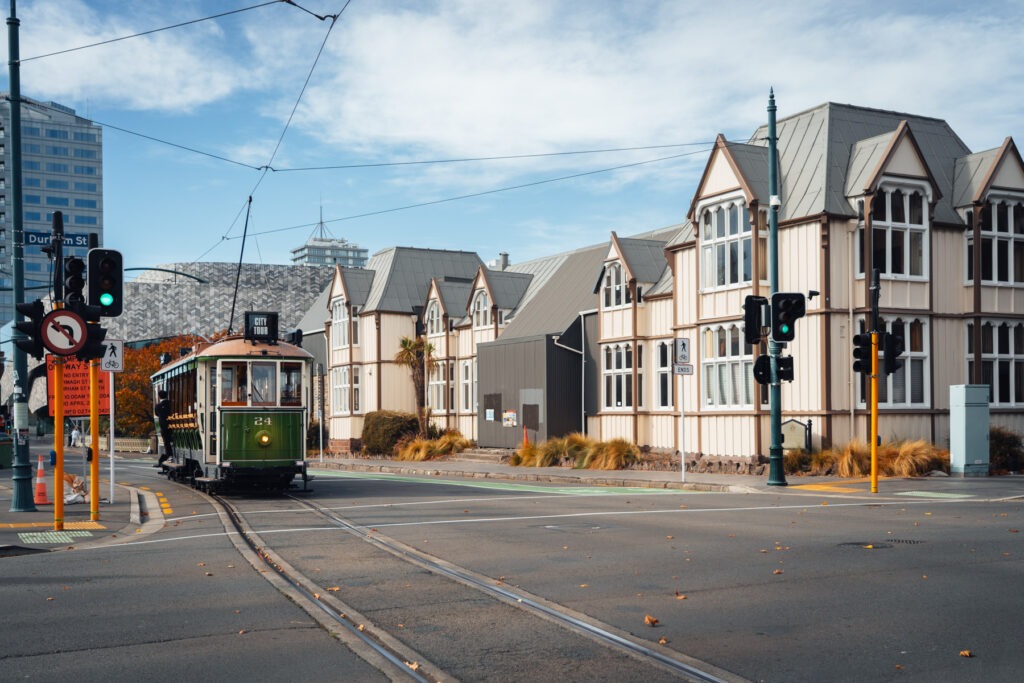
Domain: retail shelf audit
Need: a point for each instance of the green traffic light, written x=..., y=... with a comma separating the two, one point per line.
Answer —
x=106, y=299
x=784, y=329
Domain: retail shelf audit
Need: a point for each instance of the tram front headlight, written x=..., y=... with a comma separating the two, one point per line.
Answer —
x=263, y=438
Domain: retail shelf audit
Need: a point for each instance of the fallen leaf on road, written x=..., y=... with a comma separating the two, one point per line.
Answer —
x=649, y=620
x=776, y=571
x=242, y=632
x=209, y=573
x=670, y=537
x=966, y=653
x=415, y=666
x=49, y=599
x=201, y=564
x=662, y=641
x=334, y=589
x=584, y=585
x=316, y=596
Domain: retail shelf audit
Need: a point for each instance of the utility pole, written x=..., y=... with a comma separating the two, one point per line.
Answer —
x=21, y=477
x=776, y=471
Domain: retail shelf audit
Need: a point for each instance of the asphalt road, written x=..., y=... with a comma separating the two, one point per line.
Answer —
x=790, y=585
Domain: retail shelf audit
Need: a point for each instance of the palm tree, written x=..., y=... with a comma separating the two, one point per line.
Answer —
x=417, y=355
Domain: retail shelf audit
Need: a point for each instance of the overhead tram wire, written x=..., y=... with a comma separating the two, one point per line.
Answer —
x=158, y=30
x=480, y=194
x=277, y=147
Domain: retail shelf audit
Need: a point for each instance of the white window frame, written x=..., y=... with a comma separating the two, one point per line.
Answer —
x=339, y=324
x=900, y=230
x=615, y=290
x=727, y=363
x=1002, y=230
x=434, y=321
x=481, y=310
x=338, y=407
x=726, y=238
x=617, y=375
x=436, y=386
x=468, y=387
x=999, y=355
x=910, y=386
x=666, y=386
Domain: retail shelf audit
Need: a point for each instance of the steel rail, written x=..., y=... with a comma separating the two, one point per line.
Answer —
x=353, y=629
x=513, y=597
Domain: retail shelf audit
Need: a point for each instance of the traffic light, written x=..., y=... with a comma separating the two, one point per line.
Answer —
x=74, y=280
x=785, y=368
x=106, y=281
x=862, y=353
x=293, y=337
x=787, y=307
x=94, y=336
x=893, y=349
x=31, y=328
x=753, y=314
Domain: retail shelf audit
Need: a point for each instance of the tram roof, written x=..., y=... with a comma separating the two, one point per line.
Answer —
x=239, y=347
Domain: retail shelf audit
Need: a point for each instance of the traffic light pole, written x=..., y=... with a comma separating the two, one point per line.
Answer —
x=776, y=471
x=876, y=289
x=21, y=477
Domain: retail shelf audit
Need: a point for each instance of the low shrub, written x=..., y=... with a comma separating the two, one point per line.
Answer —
x=797, y=461
x=382, y=430
x=1005, y=451
x=896, y=459
x=579, y=451
x=419, y=449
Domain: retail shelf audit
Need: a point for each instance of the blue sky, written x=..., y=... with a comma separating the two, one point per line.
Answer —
x=399, y=82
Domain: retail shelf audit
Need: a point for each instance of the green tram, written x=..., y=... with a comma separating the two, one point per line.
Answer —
x=239, y=411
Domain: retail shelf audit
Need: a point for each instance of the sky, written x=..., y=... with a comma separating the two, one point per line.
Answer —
x=313, y=116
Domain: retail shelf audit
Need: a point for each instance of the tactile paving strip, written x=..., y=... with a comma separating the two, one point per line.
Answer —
x=53, y=536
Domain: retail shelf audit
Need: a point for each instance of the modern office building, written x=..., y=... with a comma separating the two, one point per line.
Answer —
x=328, y=251
x=62, y=170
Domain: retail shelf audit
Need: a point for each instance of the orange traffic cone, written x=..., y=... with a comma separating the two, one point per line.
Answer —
x=41, y=497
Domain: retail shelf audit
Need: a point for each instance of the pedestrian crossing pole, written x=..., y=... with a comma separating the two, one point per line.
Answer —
x=94, y=443
x=776, y=470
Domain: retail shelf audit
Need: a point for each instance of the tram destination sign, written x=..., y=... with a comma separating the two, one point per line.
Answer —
x=261, y=326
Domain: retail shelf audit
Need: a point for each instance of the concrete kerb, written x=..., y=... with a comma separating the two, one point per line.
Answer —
x=511, y=474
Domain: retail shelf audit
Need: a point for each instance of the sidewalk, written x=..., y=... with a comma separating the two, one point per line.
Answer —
x=26, y=532
x=694, y=481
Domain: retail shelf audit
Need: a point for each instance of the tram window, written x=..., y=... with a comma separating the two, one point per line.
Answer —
x=291, y=384
x=264, y=384
x=233, y=382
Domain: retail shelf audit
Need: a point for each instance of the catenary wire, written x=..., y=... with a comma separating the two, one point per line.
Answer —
x=158, y=30
x=479, y=194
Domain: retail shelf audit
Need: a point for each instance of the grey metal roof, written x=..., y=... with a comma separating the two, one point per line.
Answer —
x=403, y=275
x=507, y=287
x=864, y=159
x=358, y=282
x=562, y=286
x=815, y=148
x=683, y=236
x=565, y=291
x=318, y=314
x=971, y=172
x=454, y=296
x=752, y=161
x=645, y=258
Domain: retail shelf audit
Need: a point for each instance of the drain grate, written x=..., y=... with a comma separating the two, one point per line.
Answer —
x=53, y=536
x=870, y=545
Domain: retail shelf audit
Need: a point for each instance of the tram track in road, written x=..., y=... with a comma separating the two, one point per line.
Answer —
x=378, y=648
x=580, y=624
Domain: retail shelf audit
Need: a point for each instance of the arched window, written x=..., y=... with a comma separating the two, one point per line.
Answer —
x=726, y=258
x=433, y=319
x=899, y=233
x=481, y=310
x=615, y=290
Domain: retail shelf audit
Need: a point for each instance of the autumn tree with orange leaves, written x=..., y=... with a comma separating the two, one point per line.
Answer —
x=134, y=391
